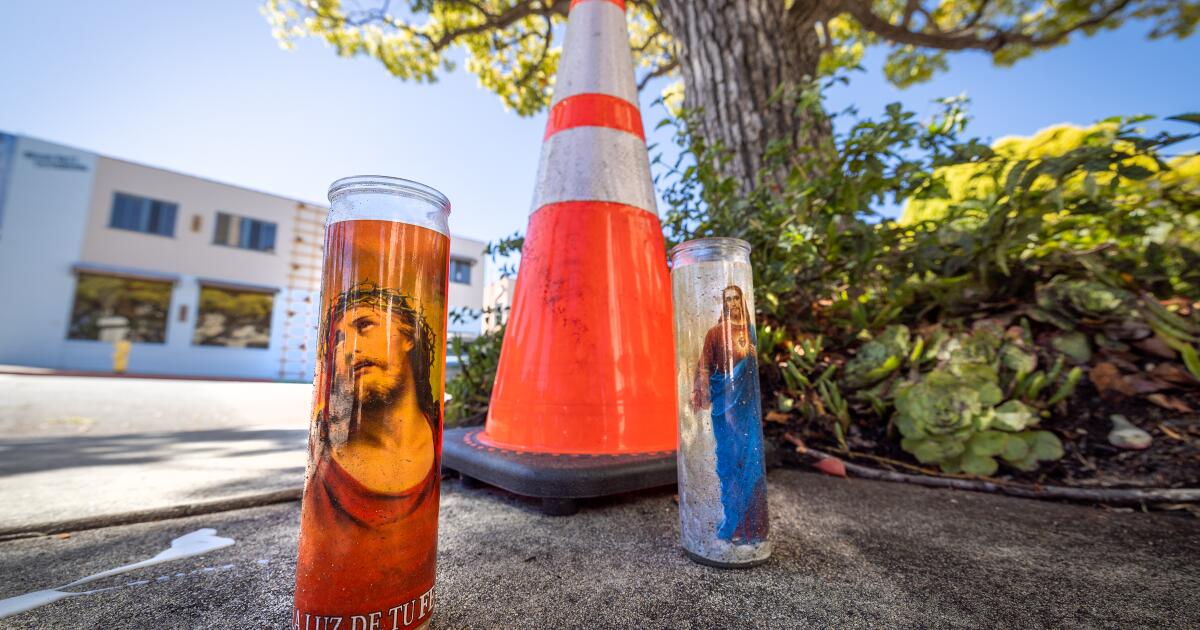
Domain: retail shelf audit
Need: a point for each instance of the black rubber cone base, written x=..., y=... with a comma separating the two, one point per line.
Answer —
x=560, y=481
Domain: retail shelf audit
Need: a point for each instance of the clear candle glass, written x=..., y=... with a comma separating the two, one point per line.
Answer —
x=722, y=476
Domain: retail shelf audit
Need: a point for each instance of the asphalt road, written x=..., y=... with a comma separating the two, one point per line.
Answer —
x=849, y=554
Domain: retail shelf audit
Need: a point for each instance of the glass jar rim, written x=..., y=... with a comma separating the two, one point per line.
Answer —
x=384, y=184
x=720, y=243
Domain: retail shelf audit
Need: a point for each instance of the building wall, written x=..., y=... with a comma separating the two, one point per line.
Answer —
x=46, y=196
x=469, y=296
x=192, y=255
x=498, y=295
x=191, y=251
x=57, y=210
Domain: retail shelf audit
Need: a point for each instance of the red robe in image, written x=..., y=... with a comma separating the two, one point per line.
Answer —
x=362, y=551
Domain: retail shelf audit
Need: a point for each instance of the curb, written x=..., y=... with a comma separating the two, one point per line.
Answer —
x=145, y=516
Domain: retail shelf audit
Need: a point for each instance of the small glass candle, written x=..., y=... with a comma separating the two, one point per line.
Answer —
x=722, y=476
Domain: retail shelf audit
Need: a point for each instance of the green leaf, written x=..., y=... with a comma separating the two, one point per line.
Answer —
x=907, y=427
x=1191, y=360
x=889, y=365
x=1036, y=383
x=990, y=394
x=979, y=465
x=918, y=348
x=1074, y=345
x=951, y=466
x=926, y=451
x=1015, y=450
x=1017, y=360
x=1013, y=416
x=1029, y=463
x=1162, y=314
x=1014, y=177
x=1134, y=171
x=1043, y=445
x=987, y=443
x=1067, y=387
x=933, y=450
x=1188, y=118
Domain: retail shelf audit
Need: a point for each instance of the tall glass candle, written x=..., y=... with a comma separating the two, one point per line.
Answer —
x=722, y=476
x=368, y=531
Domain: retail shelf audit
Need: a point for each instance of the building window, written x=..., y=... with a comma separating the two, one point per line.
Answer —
x=111, y=308
x=141, y=214
x=233, y=319
x=244, y=232
x=460, y=271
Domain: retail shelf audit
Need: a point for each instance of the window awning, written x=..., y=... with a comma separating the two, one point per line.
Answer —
x=236, y=286
x=124, y=272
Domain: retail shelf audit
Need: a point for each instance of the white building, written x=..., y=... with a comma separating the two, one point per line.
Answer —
x=497, y=296
x=205, y=278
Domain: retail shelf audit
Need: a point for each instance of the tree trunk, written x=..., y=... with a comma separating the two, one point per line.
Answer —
x=734, y=55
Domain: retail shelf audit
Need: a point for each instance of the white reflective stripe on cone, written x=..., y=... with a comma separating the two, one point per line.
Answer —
x=595, y=164
x=596, y=56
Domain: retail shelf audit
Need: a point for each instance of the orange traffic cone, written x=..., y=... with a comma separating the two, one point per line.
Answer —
x=584, y=401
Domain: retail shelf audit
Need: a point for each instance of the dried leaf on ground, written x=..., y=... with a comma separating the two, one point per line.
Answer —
x=831, y=466
x=1156, y=346
x=1169, y=402
x=1107, y=378
x=1143, y=384
x=1173, y=373
x=1122, y=363
x=775, y=416
x=1171, y=433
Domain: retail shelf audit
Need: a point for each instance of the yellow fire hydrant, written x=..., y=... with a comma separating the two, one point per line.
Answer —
x=120, y=356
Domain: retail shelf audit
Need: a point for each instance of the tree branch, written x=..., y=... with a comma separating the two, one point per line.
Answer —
x=970, y=23
x=497, y=21
x=672, y=60
x=1116, y=496
x=801, y=15
x=373, y=15
x=500, y=20
x=966, y=37
x=662, y=70
x=909, y=9
x=547, y=40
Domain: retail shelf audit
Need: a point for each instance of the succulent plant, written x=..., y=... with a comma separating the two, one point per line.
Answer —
x=879, y=357
x=955, y=416
x=1068, y=303
x=938, y=414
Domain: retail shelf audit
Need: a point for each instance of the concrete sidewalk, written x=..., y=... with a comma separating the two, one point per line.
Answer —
x=849, y=554
x=45, y=482
x=79, y=448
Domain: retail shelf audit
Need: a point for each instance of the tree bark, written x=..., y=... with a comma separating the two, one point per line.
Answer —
x=734, y=55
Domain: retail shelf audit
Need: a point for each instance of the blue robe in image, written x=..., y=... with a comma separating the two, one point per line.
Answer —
x=737, y=429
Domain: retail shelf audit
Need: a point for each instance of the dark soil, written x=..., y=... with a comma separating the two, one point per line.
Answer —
x=1171, y=461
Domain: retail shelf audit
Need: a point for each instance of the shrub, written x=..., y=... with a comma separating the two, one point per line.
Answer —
x=1030, y=252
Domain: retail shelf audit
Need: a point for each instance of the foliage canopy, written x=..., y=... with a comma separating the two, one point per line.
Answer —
x=510, y=45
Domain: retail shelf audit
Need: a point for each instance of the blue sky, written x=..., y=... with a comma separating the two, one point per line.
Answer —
x=200, y=87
